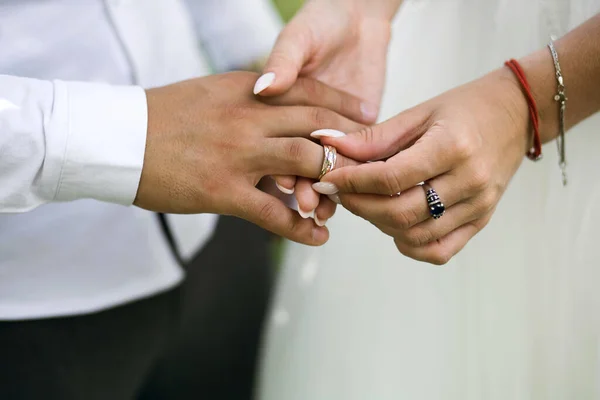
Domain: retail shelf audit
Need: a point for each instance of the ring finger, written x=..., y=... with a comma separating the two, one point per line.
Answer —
x=431, y=230
x=296, y=156
x=410, y=207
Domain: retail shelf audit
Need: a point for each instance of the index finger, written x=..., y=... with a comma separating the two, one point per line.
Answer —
x=423, y=161
x=296, y=156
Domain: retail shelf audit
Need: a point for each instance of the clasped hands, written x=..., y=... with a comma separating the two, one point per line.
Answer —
x=211, y=140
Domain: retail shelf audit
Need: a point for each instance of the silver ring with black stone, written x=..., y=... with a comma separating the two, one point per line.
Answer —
x=436, y=207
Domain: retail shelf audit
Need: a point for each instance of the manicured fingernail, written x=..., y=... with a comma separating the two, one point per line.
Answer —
x=327, y=133
x=319, y=222
x=325, y=188
x=306, y=214
x=335, y=198
x=369, y=111
x=264, y=82
x=284, y=189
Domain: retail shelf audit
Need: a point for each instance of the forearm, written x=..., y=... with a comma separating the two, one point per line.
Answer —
x=579, y=57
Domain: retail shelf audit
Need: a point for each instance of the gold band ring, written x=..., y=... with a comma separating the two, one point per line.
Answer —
x=329, y=160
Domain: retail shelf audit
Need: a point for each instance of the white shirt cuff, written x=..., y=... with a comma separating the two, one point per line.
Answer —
x=102, y=148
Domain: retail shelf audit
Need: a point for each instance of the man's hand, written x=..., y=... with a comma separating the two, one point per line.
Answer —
x=210, y=142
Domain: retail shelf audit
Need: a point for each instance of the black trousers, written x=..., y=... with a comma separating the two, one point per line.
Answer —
x=199, y=341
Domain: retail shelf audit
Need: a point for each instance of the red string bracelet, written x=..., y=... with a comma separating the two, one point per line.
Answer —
x=535, y=153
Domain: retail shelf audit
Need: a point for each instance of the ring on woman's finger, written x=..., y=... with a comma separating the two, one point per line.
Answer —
x=329, y=160
x=436, y=207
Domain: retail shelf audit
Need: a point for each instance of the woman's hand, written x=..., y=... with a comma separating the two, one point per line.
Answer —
x=467, y=144
x=342, y=43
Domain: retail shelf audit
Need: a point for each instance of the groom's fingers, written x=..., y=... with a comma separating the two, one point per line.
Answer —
x=301, y=121
x=296, y=156
x=310, y=92
x=270, y=213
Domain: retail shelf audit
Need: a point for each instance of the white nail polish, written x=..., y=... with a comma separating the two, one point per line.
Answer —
x=264, y=82
x=325, y=188
x=327, y=133
x=335, y=198
x=284, y=189
x=319, y=222
x=306, y=214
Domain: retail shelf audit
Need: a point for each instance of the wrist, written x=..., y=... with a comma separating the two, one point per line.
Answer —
x=512, y=100
x=540, y=73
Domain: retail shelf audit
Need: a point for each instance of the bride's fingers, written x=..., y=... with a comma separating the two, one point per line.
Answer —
x=296, y=156
x=442, y=250
x=308, y=199
x=434, y=229
x=311, y=92
x=285, y=183
x=325, y=210
x=407, y=209
x=426, y=158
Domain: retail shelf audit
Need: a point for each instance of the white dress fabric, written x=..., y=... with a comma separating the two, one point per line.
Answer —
x=515, y=315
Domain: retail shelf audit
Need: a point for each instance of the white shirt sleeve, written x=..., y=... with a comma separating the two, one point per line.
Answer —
x=62, y=141
x=235, y=33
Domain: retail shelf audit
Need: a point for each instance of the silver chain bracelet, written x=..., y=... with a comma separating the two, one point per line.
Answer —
x=561, y=99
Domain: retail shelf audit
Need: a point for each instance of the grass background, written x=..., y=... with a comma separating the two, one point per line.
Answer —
x=288, y=8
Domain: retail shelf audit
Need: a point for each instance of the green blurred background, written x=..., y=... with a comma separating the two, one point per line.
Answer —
x=288, y=7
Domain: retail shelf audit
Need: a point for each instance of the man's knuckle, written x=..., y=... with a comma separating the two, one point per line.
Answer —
x=292, y=225
x=321, y=117
x=267, y=211
x=391, y=182
x=236, y=112
x=294, y=151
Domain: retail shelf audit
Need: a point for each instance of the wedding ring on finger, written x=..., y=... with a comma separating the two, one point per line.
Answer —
x=436, y=207
x=329, y=160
